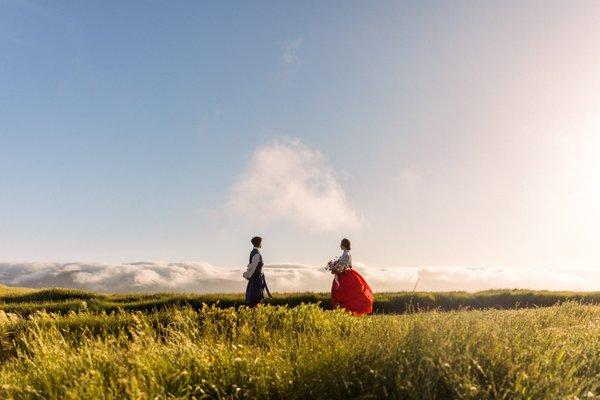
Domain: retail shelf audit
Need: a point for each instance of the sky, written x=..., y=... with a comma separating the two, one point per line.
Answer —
x=432, y=134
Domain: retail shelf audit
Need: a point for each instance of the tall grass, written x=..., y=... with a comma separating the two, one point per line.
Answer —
x=302, y=353
x=72, y=344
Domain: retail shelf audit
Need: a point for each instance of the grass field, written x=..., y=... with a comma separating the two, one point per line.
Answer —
x=66, y=344
x=27, y=301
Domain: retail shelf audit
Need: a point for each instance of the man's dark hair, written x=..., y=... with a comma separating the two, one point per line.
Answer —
x=346, y=244
x=256, y=241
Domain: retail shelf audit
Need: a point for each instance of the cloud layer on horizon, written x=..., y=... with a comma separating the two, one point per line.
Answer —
x=201, y=277
x=289, y=181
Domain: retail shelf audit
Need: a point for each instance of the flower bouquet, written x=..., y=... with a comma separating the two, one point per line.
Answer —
x=337, y=266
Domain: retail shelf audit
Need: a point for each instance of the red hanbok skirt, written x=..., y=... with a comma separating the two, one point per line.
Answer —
x=352, y=292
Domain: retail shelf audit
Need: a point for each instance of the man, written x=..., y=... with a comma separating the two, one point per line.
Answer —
x=256, y=279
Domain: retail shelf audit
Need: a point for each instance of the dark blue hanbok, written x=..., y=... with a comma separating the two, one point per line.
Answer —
x=255, y=291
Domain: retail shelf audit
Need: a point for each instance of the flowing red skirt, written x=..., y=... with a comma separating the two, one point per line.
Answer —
x=352, y=292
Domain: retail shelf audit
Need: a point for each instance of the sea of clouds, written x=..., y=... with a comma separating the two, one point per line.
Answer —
x=201, y=277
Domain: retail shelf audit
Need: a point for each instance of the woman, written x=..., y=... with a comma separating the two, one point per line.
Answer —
x=349, y=289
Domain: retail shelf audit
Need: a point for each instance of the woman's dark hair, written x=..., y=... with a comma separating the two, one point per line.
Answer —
x=256, y=241
x=346, y=244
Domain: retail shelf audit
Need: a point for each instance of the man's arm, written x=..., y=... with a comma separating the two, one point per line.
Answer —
x=252, y=266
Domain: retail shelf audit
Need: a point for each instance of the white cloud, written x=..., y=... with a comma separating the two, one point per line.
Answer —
x=200, y=277
x=289, y=181
x=289, y=55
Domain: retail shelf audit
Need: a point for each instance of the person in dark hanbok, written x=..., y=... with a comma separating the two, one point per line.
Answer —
x=257, y=284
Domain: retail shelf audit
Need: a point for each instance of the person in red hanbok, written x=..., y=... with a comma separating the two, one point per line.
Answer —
x=349, y=289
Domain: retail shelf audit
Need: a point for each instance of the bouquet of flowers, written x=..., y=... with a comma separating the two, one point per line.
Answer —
x=337, y=266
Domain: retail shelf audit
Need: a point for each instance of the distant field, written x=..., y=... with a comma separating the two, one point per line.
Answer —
x=26, y=301
x=68, y=344
x=4, y=290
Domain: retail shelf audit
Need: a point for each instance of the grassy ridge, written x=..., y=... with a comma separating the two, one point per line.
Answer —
x=25, y=302
x=5, y=290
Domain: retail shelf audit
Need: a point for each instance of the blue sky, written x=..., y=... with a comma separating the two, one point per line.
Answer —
x=447, y=133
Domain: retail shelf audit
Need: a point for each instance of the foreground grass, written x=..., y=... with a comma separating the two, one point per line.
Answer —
x=302, y=352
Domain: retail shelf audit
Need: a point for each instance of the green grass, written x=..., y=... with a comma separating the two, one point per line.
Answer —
x=7, y=290
x=301, y=353
x=69, y=344
x=25, y=302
